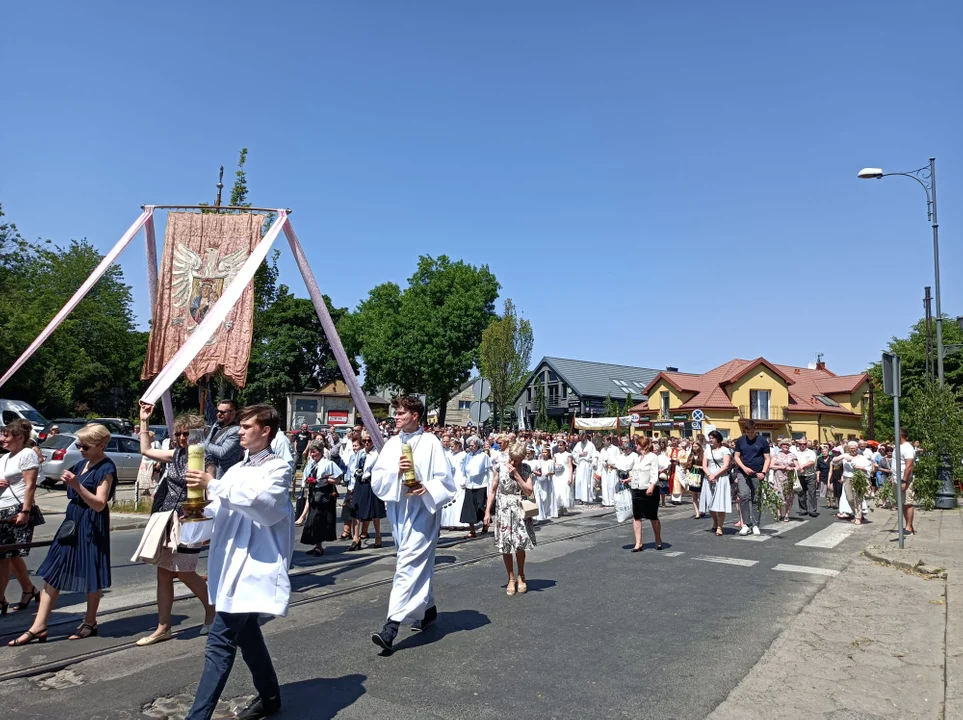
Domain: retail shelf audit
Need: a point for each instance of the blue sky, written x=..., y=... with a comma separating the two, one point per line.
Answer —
x=652, y=183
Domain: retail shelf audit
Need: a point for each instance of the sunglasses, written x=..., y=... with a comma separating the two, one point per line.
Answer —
x=224, y=412
x=83, y=448
x=181, y=434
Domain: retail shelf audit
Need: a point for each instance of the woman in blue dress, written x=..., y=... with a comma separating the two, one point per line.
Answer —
x=79, y=561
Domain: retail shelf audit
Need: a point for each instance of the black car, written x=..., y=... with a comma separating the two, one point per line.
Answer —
x=73, y=424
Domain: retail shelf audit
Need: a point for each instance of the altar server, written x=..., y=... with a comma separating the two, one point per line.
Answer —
x=584, y=455
x=610, y=476
x=248, y=564
x=544, y=473
x=415, y=515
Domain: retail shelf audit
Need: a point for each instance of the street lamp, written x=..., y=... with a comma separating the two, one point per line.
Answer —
x=926, y=177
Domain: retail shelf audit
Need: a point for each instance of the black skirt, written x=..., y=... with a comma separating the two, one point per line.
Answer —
x=476, y=500
x=645, y=506
x=321, y=523
x=347, y=508
x=365, y=504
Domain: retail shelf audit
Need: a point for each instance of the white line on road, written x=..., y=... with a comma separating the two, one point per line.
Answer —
x=673, y=553
x=773, y=529
x=727, y=561
x=829, y=537
x=807, y=570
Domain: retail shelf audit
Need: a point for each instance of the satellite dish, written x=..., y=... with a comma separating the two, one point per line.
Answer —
x=811, y=365
x=481, y=389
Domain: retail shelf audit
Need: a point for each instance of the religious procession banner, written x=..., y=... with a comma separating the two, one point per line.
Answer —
x=203, y=253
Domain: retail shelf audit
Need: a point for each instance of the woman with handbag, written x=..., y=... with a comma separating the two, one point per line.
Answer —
x=644, y=483
x=79, y=557
x=695, y=473
x=171, y=492
x=321, y=480
x=784, y=465
x=665, y=466
x=366, y=506
x=18, y=514
x=716, y=496
x=514, y=532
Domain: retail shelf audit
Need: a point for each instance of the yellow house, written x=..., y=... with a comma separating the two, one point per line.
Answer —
x=784, y=401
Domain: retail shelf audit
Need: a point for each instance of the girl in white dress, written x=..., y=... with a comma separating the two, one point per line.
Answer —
x=716, y=493
x=544, y=474
x=564, y=474
x=610, y=476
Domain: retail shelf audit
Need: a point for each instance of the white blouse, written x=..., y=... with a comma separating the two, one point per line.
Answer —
x=646, y=472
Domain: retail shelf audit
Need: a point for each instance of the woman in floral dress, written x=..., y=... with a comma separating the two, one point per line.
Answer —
x=514, y=533
x=782, y=463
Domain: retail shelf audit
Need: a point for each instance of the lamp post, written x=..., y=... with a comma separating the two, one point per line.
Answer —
x=926, y=177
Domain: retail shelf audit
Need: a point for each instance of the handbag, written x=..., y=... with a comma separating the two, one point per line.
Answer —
x=529, y=509
x=695, y=479
x=66, y=533
x=623, y=505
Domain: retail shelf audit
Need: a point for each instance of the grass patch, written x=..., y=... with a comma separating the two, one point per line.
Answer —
x=127, y=506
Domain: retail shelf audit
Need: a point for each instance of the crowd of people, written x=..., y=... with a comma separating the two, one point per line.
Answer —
x=422, y=480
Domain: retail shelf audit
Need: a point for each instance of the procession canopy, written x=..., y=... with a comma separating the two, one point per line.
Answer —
x=203, y=253
x=604, y=423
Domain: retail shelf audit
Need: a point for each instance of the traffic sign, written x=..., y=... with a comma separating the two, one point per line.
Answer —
x=480, y=412
x=481, y=389
x=891, y=375
x=698, y=416
x=696, y=424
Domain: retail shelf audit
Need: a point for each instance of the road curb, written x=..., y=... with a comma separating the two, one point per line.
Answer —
x=920, y=568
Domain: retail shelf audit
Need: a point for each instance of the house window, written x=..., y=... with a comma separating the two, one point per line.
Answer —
x=553, y=393
x=665, y=403
x=767, y=435
x=759, y=402
x=564, y=391
x=829, y=402
x=798, y=435
x=725, y=433
x=839, y=437
x=464, y=404
x=529, y=394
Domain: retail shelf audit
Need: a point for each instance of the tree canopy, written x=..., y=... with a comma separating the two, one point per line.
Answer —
x=425, y=338
x=504, y=358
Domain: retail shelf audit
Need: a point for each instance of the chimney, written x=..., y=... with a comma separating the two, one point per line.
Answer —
x=669, y=368
x=820, y=363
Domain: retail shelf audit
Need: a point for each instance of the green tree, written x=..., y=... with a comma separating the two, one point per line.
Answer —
x=627, y=405
x=934, y=416
x=295, y=355
x=541, y=408
x=425, y=338
x=611, y=407
x=912, y=354
x=504, y=358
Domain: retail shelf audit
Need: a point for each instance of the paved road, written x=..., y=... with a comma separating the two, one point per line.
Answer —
x=602, y=633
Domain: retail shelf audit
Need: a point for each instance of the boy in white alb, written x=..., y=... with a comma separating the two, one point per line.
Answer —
x=415, y=515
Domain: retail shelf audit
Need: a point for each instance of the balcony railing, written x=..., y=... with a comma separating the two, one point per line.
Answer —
x=774, y=412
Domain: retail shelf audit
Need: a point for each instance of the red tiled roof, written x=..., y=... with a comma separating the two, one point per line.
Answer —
x=803, y=383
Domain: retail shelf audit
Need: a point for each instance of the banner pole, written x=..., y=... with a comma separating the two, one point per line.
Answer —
x=151, y=240
x=81, y=293
x=347, y=372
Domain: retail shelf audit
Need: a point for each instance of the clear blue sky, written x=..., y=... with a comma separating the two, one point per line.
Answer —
x=652, y=183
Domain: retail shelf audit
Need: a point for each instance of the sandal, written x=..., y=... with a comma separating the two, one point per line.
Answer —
x=522, y=586
x=84, y=631
x=346, y=536
x=510, y=590
x=40, y=636
x=718, y=532
x=34, y=594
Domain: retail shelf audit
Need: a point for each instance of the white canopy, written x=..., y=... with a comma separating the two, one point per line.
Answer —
x=604, y=423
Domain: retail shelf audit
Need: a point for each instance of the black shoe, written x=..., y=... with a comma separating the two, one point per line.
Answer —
x=386, y=638
x=814, y=514
x=354, y=546
x=431, y=614
x=259, y=708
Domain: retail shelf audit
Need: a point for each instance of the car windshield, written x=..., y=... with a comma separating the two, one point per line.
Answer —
x=56, y=442
x=69, y=426
x=34, y=417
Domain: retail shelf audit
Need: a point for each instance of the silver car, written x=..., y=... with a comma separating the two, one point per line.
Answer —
x=60, y=452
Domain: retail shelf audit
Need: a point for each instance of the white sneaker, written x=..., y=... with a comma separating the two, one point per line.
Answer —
x=745, y=530
x=756, y=530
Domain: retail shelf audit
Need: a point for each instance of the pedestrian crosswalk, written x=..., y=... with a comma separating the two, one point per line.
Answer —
x=772, y=530
x=829, y=537
x=782, y=567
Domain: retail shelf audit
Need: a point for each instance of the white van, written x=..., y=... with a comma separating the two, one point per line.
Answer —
x=11, y=410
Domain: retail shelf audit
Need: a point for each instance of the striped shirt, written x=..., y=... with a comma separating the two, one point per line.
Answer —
x=259, y=458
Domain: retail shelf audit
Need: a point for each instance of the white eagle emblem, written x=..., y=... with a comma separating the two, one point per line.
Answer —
x=198, y=283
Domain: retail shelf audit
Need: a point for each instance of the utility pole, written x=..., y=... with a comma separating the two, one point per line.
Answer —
x=928, y=313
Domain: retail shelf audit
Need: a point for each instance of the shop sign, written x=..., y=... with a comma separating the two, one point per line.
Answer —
x=574, y=404
x=663, y=425
x=643, y=425
x=681, y=416
x=337, y=417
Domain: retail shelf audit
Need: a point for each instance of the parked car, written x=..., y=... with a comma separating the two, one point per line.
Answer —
x=11, y=410
x=73, y=424
x=160, y=432
x=60, y=452
x=126, y=427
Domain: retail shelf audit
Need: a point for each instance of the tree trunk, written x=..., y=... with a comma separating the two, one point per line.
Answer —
x=443, y=408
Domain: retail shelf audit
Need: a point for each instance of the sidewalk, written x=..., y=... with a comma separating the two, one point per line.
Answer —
x=884, y=639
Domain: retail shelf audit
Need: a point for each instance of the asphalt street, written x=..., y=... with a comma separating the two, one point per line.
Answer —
x=603, y=632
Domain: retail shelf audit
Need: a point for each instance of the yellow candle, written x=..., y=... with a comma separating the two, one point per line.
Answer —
x=195, y=461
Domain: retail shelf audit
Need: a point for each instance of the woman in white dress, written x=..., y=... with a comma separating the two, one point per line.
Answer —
x=716, y=493
x=564, y=475
x=544, y=476
x=584, y=455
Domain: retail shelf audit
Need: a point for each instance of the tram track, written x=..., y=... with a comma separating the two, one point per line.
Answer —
x=57, y=665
